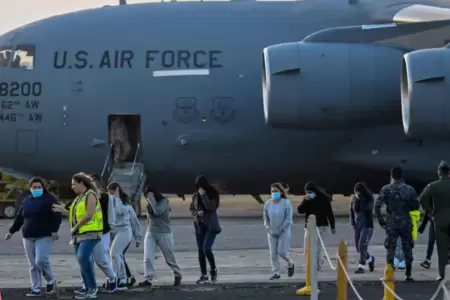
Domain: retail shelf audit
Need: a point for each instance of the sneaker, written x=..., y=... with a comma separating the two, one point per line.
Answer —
x=291, y=270
x=275, y=276
x=90, y=294
x=177, y=281
x=372, y=264
x=111, y=286
x=81, y=291
x=203, y=279
x=122, y=285
x=214, y=275
x=439, y=278
x=34, y=293
x=409, y=278
x=146, y=282
x=359, y=271
x=425, y=264
x=131, y=281
x=50, y=289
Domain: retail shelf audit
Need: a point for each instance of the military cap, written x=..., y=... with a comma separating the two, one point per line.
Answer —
x=443, y=166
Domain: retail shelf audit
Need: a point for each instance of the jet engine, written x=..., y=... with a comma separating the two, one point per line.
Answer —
x=425, y=92
x=330, y=85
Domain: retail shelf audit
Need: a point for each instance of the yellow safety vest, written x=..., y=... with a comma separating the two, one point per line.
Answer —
x=415, y=217
x=78, y=211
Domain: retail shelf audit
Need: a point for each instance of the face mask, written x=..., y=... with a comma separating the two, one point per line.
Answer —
x=37, y=193
x=312, y=195
x=276, y=195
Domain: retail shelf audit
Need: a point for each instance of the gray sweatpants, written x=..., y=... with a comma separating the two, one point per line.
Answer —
x=38, y=254
x=165, y=244
x=121, y=241
x=279, y=246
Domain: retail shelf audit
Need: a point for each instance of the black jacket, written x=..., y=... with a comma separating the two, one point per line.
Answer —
x=36, y=217
x=210, y=220
x=321, y=208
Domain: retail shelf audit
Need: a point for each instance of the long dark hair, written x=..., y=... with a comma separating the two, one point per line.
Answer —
x=41, y=181
x=213, y=194
x=362, y=188
x=155, y=191
x=123, y=196
x=320, y=192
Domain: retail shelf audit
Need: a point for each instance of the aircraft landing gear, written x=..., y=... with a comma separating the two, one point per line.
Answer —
x=7, y=210
x=181, y=196
x=258, y=198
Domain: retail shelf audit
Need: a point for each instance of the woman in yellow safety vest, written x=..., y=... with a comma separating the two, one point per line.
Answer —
x=86, y=223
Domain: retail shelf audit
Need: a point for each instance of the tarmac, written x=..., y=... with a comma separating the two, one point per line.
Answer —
x=242, y=258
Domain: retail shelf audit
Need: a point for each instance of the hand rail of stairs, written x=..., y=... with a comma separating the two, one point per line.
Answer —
x=107, y=161
x=136, y=155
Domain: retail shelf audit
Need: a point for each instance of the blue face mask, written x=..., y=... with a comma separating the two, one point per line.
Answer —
x=312, y=195
x=276, y=195
x=37, y=193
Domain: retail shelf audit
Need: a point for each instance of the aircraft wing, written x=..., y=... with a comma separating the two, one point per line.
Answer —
x=421, y=13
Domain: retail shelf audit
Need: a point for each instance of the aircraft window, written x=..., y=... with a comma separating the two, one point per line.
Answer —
x=24, y=57
x=5, y=56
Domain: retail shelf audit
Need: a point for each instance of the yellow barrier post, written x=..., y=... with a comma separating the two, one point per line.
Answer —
x=306, y=290
x=389, y=281
x=341, y=269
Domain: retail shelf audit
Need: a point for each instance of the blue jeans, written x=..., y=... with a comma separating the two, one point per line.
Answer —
x=431, y=241
x=84, y=252
x=205, y=241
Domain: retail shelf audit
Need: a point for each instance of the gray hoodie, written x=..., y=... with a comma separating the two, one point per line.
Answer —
x=277, y=216
x=125, y=219
x=158, y=216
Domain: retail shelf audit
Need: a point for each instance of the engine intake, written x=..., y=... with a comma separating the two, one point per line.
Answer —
x=425, y=106
x=330, y=85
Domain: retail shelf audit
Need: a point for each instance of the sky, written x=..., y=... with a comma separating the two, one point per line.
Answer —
x=15, y=13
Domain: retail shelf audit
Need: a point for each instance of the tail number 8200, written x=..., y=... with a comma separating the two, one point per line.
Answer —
x=20, y=89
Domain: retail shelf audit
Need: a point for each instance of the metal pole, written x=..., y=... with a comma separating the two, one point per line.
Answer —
x=312, y=228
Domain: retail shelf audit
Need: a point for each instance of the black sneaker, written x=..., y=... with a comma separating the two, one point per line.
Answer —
x=50, y=289
x=372, y=264
x=34, y=293
x=111, y=286
x=81, y=291
x=409, y=278
x=275, y=276
x=214, y=275
x=131, y=281
x=359, y=271
x=177, y=281
x=90, y=294
x=439, y=278
x=146, y=282
x=291, y=270
x=122, y=285
x=203, y=279
x=425, y=264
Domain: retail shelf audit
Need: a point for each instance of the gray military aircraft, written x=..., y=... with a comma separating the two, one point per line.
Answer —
x=245, y=92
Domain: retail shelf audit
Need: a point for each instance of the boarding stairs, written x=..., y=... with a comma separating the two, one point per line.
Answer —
x=130, y=175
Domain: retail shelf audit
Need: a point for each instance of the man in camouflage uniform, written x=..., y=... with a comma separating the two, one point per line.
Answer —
x=435, y=201
x=119, y=139
x=400, y=199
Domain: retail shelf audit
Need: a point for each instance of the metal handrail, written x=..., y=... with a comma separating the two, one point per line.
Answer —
x=106, y=160
x=135, y=157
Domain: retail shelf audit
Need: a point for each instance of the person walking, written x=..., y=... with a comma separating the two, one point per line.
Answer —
x=159, y=234
x=85, y=220
x=277, y=216
x=431, y=239
x=399, y=198
x=361, y=219
x=435, y=202
x=317, y=202
x=40, y=227
x=126, y=227
x=101, y=250
x=203, y=207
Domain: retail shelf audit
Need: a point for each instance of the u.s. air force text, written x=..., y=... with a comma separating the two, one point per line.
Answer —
x=128, y=59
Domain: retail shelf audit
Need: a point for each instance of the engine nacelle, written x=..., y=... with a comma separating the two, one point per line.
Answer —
x=330, y=85
x=425, y=92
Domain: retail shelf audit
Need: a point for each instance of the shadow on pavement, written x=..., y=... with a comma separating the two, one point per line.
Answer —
x=368, y=290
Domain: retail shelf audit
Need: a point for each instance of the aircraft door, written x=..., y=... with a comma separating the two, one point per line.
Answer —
x=125, y=136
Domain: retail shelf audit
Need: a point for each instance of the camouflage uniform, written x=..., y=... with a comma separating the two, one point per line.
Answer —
x=400, y=199
x=119, y=138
